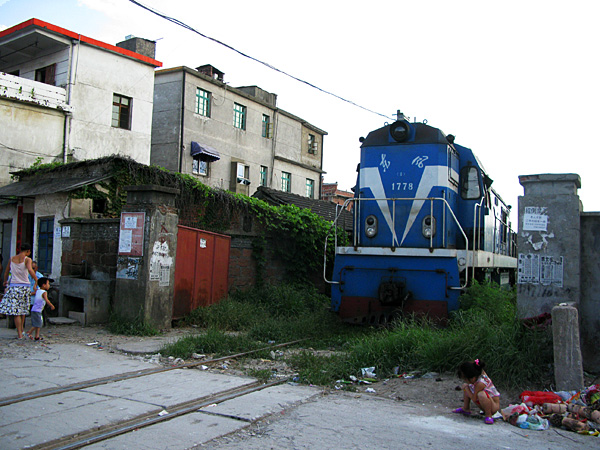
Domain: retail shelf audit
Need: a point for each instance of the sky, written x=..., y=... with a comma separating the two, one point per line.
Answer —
x=516, y=81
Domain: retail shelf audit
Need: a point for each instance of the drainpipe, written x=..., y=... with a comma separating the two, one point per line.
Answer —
x=273, y=145
x=72, y=75
x=182, y=119
x=321, y=167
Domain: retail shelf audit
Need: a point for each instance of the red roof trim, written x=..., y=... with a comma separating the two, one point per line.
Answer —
x=87, y=40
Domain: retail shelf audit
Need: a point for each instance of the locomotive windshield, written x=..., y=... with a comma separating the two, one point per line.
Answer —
x=470, y=189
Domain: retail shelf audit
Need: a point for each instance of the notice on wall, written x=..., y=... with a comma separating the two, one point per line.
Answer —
x=161, y=263
x=131, y=234
x=128, y=267
x=66, y=231
x=535, y=218
x=528, y=271
x=540, y=269
x=551, y=271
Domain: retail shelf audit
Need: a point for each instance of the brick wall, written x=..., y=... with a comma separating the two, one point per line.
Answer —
x=91, y=249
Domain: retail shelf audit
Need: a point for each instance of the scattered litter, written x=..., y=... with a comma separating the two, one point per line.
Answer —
x=370, y=390
x=212, y=405
x=198, y=356
x=178, y=361
x=163, y=413
x=270, y=342
x=203, y=367
x=368, y=372
x=430, y=375
x=92, y=343
x=353, y=378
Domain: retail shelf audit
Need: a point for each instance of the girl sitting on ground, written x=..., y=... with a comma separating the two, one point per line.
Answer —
x=479, y=389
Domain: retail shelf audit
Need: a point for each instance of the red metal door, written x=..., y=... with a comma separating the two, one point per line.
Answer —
x=201, y=269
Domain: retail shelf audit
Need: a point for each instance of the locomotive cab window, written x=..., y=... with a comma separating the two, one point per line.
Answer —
x=470, y=188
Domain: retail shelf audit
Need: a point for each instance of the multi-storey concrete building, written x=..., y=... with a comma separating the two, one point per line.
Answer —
x=65, y=97
x=232, y=138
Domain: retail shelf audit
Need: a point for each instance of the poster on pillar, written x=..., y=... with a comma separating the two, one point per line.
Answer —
x=131, y=234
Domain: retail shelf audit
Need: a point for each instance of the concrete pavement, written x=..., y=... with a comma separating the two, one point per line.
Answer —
x=280, y=417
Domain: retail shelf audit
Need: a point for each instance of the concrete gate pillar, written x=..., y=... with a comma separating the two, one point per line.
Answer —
x=549, y=243
x=548, y=276
x=146, y=257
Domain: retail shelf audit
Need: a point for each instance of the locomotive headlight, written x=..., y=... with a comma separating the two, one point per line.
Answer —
x=371, y=226
x=428, y=227
x=400, y=130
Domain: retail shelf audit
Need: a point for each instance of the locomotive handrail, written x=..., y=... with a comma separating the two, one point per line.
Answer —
x=394, y=199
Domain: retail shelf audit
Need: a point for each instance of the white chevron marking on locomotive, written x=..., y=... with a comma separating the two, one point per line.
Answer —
x=371, y=178
x=432, y=176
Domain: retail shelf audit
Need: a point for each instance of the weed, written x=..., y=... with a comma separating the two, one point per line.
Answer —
x=136, y=327
x=262, y=375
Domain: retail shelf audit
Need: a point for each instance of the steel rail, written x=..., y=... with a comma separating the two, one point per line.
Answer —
x=127, y=376
x=88, y=437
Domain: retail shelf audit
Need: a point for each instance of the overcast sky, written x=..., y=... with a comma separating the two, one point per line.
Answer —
x=516, y=81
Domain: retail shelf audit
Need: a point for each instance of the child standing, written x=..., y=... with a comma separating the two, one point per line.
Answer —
x=479, y=389
x=41, y=299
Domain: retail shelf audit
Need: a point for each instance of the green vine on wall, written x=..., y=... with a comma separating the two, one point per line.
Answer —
x=298, y=234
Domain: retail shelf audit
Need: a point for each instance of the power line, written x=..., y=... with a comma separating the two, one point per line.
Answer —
x=270, y=66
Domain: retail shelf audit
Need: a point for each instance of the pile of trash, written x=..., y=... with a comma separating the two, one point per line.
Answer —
x=577, y=411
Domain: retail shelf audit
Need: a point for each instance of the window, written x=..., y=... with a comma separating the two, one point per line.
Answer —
x=310, y=188
x=286, y=181
x=470, y=183
x=46, y=74
x=267, y=129
x=45, y=245
x=239, y=116
x=243, y=173
x=203, y=102
x=199, y=167
x=121, y=112
x=312, y=144
x=264, y=172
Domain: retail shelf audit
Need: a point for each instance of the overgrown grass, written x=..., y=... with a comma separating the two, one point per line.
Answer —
x=485, y=327
x=136, y=327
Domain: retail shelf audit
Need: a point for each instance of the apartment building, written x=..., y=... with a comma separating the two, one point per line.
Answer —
x=235, y=139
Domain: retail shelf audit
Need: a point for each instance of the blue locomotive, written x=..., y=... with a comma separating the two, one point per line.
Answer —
x=426, y=223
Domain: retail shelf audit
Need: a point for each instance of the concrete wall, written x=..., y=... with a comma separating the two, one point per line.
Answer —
x=99, y=75
x=289, y=140
x=28, y=132
x=590, y=294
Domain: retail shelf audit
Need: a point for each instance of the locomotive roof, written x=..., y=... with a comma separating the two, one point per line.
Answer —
x=424, y=134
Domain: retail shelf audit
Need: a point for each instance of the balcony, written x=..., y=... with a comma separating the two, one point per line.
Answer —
x=33, y=92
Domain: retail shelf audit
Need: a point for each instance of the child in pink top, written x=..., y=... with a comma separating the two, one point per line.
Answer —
x=479, y=389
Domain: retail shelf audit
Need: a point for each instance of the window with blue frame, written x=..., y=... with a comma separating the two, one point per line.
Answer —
x=45, y=245
x=286, y=182
x=239, y=116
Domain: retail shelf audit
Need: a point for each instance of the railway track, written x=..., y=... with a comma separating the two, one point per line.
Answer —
x=148, y=418
x=128, y=375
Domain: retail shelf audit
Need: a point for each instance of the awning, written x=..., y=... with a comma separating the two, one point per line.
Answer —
x=204, y=152
x=38, y=185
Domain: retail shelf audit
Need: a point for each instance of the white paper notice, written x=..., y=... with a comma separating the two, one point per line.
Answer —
x=125, y=241
x=130, y=222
